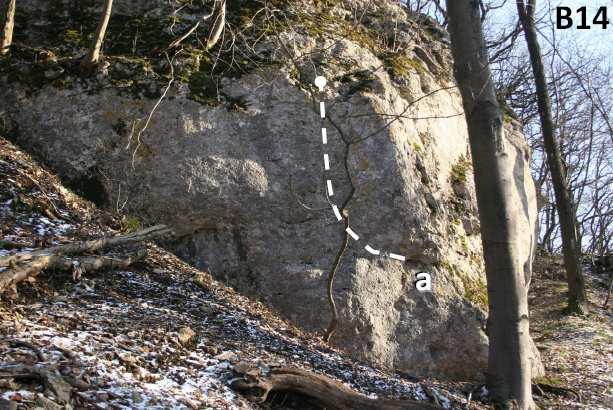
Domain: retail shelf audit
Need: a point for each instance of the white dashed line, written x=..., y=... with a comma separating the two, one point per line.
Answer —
x=352, y=234
x=397, y=257
x=337, y=213
x=320, y=82
x=330, y=190
x=371, y=250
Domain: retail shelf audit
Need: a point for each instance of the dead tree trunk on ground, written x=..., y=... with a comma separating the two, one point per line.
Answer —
x=92, y=58
x=24, y=265
x=498, y=198
x=571, y=248
x=328, y=393
x=8, y=18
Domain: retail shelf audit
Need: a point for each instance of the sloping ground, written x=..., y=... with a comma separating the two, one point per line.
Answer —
x=122, y=339
x=577, y=351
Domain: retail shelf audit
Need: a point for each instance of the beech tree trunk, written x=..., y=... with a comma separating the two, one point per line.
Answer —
x=7, y=12
x=500, y=212
x=564, y=204
x=93, y=56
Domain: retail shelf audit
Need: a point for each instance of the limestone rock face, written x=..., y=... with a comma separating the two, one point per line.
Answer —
x=245, y=187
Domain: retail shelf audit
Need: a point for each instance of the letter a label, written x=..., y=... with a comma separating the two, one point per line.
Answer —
x=424, y=282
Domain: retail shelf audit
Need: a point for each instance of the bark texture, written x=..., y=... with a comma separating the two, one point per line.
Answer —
x=564, y=203
x=6, y=37
x=509, y=369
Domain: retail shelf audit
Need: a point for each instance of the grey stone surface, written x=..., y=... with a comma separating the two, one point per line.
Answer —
x=246, y=190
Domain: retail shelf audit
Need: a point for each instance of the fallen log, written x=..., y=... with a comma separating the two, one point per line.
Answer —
x=329, y=393
x=11, y=277
x=25, y=265
x=86, y=246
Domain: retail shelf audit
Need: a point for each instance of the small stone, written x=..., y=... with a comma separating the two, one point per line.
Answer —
x=127, y=359
x=246, y=369
x=227, y=356
x=212, y=350
x=54, y=73
x=186, y=336
x=102, y=396
x=202, y=279
x=207, y=309
x=7, y=404
x=47, y=404
x=59, y=386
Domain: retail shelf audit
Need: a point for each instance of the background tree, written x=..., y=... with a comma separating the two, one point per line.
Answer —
x=7, y=17
x=509, y=367
x=566, y=210
x=92, y=58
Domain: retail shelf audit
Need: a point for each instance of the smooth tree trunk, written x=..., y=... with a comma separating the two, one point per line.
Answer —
x=500, y=212
x=564, y=204
x=6, y=36
x=218, y=25
x=92, y=58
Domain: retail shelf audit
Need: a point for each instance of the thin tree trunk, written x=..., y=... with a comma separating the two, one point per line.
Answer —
x=93, y=56
x=500, y=212
x=6, y=37
x=566, y=212
x=218, y=26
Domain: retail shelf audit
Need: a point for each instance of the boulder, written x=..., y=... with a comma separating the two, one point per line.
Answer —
x=244, y=186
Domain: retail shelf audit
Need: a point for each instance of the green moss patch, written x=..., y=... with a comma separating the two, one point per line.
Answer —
x=459, y=171
x=400, y=65
x=475, y=291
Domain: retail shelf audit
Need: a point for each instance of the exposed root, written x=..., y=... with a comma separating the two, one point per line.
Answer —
x=542, y=388
x=328, y=393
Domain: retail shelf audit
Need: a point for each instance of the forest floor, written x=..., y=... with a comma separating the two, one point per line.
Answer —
x=577, y=351
x=163, y=335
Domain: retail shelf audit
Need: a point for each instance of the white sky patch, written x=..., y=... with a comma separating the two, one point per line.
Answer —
x=330, y=190
x=326, y=162
x=337, y=213
x=372, y=250
x=352, y=234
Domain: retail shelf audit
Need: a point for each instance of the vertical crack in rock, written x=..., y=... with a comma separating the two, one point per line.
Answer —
x=341, y=251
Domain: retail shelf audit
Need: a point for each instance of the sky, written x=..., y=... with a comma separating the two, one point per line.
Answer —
x=593, y=41
x=596, y=40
